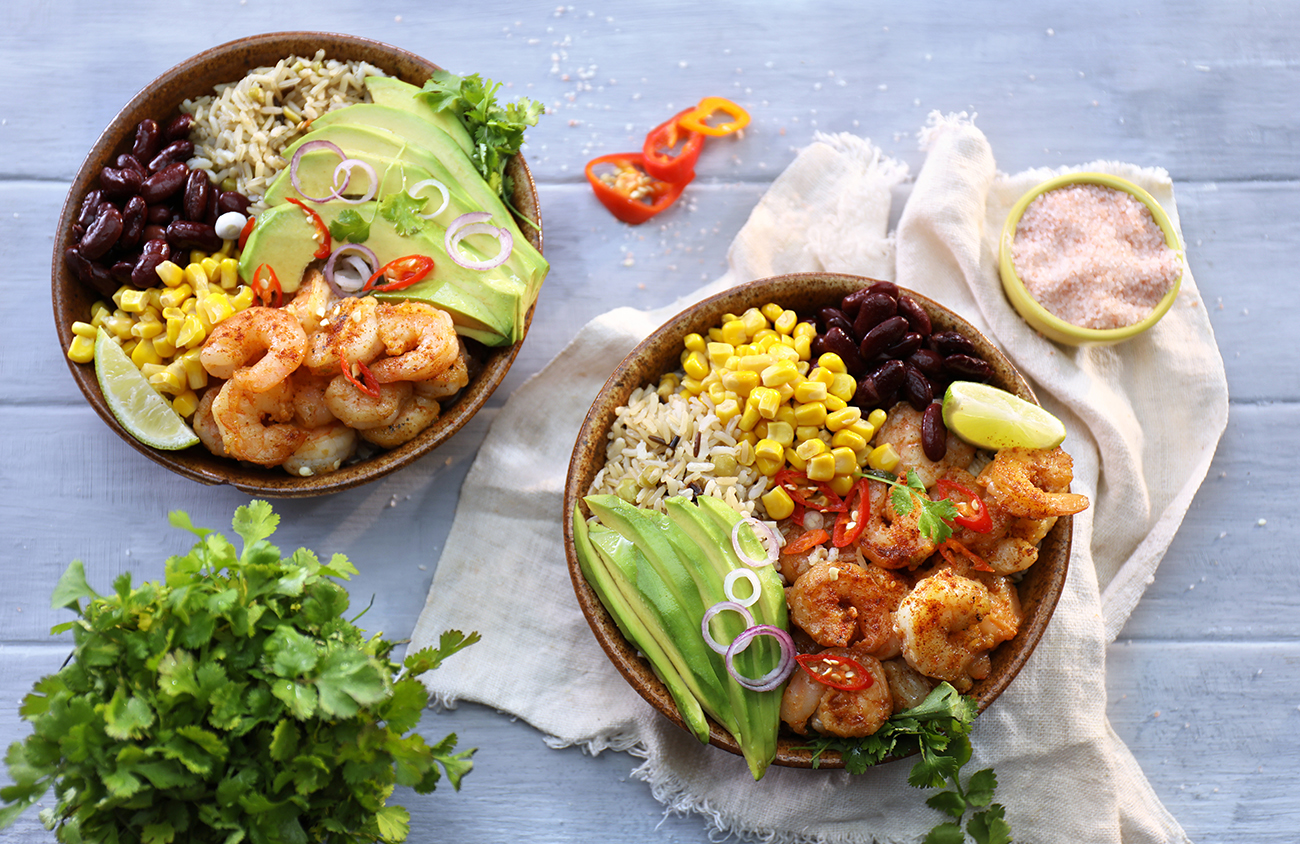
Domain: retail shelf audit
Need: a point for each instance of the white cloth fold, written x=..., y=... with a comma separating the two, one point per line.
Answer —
x=1063, y=774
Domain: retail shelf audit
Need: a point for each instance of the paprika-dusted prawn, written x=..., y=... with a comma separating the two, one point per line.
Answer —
x=840, y=603
x=257, y=426
x=420, y=341
x=257, y=347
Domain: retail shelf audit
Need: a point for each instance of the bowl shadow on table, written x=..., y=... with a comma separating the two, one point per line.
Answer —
x=162, y=99
x=1039, y=589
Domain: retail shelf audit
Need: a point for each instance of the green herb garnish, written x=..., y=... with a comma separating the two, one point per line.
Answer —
x=497, y=131
x=939, y=729
x=935, y=521
x=350, y=226
x=232, y=701
x=403, y=211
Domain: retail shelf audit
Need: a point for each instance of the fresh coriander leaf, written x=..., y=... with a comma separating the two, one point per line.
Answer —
x=949, y=802
x=430, y=658
x=394, y=823
x=255, y=522
x=71, y=588
x=946, y=833
x=126, y=716
x=403, y=211
x=980, y=787
x=350, y=226
x=935, y=519
x=990, y=826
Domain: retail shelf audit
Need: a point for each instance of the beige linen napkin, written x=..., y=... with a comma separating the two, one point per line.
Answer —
x=1064, y=775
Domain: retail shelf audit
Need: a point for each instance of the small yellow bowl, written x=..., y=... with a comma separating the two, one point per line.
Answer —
x=1044, y=320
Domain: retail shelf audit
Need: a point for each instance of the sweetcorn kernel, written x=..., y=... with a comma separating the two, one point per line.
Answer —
x=846, y=461
x=883, y=457
x=785, y=321
x=769, y=450
x=812, y=413
x=727, y=410
x=144, y=353
x=809, y=390
x=186, y=403
x=172, y=297
x=821, y=467
x=877, y=418
x=754, y=322
x=864, y=429
x=718, y=353
x=796, y=462
x=772, y=311
x=695, y=364
x=780, y=432
x=832, y=361
x=733, y=332
x=132, y=301
x=766, y=401
x=694, y=343
x=229, y=274
x=742, y=381
x=849, y=439
x=749, y=417
x=806, y=330
x=841, y=419
x=243, y=297
x=843, y=386
x=84, y=329
x=171, y=274
x=810, y=448
x=780, y=373
x=835, y=403
x=778, y=503
x=842, y=485
x=803, y=346
x=81, y=349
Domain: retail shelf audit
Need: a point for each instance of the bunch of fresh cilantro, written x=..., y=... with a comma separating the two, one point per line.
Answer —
x=232, y=701
x=496, y=130
x=938, y=729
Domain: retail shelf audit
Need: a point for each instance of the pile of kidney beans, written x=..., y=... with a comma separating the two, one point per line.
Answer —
x=886, y=341
x=149, y=205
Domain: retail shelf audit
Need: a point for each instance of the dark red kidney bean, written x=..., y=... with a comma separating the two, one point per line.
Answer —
x=888, y=377
x=192, y=234
x=130, y=162
x=917, y=316
x=133, y=222
x=90, y=272
x=916, y=387
x=170, y=154
x=153, y=231
x=887, y=287
x=952, y=343
x=164, y=183
x=145, y=273
x=89, y=208
x=867, y=396
x=121, y=270
x=906, y=345
x=817, y=346
x=840, y=342
x=101, y=234
x=194, y=205
x=179, y=126
x=213, y=211
x=874, y=309
x=148, y=140
x=826, y=317
x=967, y=367
x=928, y=361
x=882, y=337
x=119, y=183
x=229, y=200
x=934, y=434
x=159, y=215
x=850, y=303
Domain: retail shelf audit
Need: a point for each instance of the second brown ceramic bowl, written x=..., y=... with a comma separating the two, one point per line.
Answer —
x=161, y=100
x=659, y=353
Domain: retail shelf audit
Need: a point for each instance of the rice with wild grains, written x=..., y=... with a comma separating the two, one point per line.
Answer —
x=238, y=132
x=676, y=445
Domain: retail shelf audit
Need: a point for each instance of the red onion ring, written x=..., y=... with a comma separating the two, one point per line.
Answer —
x=363, y=251
x=720, y=606
x=474, y=223
x=776, y=676
x=431, y=183
x=770, y=541
x=347, y=165
x=293, y=169
x=729, y=586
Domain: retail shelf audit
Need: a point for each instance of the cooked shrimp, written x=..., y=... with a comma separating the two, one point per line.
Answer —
x=450, y=381
x=257, y=347
x=309, y=406
x=420, y=340
x=839, y=603
x=417, y=414
x=1032, y=483
x=889, y=539
x=350, y=328
x=205, y=427
x=255, y=426
x=358, y=410
x=902, y=430
x=312, y=300
x=323, y=450
x=940, y=625
x=907, y=686
x=806, y=703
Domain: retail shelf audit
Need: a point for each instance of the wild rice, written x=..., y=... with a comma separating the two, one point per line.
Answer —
x=239, y=132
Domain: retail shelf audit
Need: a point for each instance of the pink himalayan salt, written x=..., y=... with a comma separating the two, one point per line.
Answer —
x=1093, y=256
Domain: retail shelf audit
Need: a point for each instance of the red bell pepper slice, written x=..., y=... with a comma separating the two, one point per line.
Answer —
x=267, y=288
x=971, y=510
x=850, y=521
x=805, y=541
x=838, y=672
x=813, y=495
x=632, y=195
x=405, y=271
x=321, y=229
x=370, y=386
x=696, y=120
x=672, y=166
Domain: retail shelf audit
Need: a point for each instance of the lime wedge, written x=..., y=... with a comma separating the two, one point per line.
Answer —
x=137, y=405
x=987, y=417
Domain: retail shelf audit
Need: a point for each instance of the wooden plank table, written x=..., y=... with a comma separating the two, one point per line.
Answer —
x=1202, y=681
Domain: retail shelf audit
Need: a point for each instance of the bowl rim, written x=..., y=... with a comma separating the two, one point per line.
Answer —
x=1046, y=321
x=590, y=445
x=67, y=290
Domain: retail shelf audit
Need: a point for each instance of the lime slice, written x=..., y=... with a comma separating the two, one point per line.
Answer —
x=137, y=405
x=987, y=417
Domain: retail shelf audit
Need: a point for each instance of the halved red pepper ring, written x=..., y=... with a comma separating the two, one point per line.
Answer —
x=405, y=271
x=672, y=166
x=950, y=548
x=972, y=512
x=246, y=231
x=696, y=120
x=813, y=495
x=322, y=230
x=851, y=520
x=370, y=387
x=805, y=541
x=838, y=672
x=626, y=195
x=267, y=288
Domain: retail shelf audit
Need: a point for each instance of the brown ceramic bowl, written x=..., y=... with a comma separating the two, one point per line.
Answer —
x=160, y=100
x=660, y=353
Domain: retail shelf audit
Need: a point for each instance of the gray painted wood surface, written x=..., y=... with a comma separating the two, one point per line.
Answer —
x=1203, y=680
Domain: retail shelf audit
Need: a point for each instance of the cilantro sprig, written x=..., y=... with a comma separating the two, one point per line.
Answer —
x=938, y=729
x=231, y=701
x=935, y=520
x=496, y=130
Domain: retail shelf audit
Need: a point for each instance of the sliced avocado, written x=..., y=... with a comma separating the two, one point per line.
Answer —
x=385, y=90
x=604, y=565
x=403, y=122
